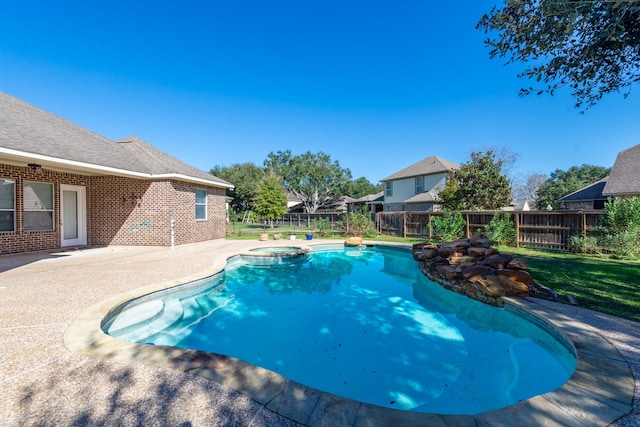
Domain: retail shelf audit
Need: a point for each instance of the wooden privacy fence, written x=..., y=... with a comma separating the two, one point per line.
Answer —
x=548, y=229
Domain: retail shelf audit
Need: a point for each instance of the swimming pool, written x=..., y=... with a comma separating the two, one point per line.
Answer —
x=362, y=323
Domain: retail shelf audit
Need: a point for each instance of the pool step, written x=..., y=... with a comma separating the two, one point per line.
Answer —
x=192, y=313
x=140, y=329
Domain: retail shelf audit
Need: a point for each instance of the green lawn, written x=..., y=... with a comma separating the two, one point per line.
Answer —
x=242, y=231
x=602, y=284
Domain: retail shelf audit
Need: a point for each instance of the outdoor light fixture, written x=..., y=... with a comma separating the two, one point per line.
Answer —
x=34, y=166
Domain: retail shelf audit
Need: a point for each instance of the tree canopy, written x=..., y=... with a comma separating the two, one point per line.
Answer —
x=246, y=177
x=478, y=184
x=303, y=175
x=312, y=177
x=562, y=183
x=270, y=201
x=593, y=47
x=526, y=187
x=360, y=187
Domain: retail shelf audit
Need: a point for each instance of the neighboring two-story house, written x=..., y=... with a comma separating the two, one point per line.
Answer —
x=415, y=188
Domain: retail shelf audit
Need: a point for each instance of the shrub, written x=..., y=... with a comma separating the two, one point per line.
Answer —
x=620, y=230
x=583, y=244
x=622, y=215
x=449, y=226
x=500, y=229
x=623, y=244
x=323, y=225
x=358, y=224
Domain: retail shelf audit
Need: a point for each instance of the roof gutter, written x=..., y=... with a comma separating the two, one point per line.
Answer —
x=21, y=156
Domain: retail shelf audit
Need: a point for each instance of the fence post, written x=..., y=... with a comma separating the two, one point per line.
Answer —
x=517, y=221
x=468, y=228
x=404, y=224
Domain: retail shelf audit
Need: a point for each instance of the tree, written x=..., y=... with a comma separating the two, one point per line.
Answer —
x=358, y=224
x=562, y=183
x=360, y=187
x=309, y=176
x=271, y=201
x=476, y=185
x=593, y=47
x=526, y=188
x=621, y=227
x=246, y=178
x=449, y=226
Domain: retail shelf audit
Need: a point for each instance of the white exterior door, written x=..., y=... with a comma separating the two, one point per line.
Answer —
x=73, y=212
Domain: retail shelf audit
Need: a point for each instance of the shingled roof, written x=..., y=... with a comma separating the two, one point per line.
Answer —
x=590, y=192
x=624, y=179
x=426, y=197
x=27, y=132
x=427, y=166
x=377, y=197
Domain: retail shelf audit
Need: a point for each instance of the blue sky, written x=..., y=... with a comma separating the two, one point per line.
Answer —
x=376, y=85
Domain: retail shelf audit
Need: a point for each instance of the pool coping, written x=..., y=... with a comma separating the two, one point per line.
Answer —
x=599, y=391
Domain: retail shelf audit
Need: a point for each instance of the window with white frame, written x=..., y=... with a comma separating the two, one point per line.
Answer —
x=388, y=188
x=201, y=204
x=419, y=184
x=7, y=205
x=38, y=206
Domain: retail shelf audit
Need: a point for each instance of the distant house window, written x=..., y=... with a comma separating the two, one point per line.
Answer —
x=7, y=205
x=201, y=204
x=419, y=184
x=598, y=204
x=38, y=206
x=388, y=188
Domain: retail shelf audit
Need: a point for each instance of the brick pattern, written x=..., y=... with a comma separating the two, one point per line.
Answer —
x=23, y=241
x=187, y=228
x=579, y=205
x=121, y=211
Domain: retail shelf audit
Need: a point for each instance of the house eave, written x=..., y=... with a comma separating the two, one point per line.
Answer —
x=22, y=158
x=187, y=178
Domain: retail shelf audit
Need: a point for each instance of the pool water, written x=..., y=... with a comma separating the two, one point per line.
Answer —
x=359, y=323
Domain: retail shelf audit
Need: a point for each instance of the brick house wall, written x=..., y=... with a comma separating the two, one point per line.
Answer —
x=127, y=211
x=187, y=228
x=26, y=241
x=120, y=211
x=584, y=205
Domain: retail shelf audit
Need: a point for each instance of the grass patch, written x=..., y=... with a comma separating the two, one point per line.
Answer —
x=243, y=231
x=599, y=283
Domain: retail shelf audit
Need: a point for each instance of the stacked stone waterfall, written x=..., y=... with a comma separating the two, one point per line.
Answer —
x=476, y=269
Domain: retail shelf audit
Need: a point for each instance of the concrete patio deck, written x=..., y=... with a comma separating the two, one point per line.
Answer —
x=46, y=296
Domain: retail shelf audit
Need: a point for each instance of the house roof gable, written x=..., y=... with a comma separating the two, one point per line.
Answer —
x=426, y=197
x=624, y=179
x=592, y=191
x=427, y=166
x=30, y=131
x=377, y=197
